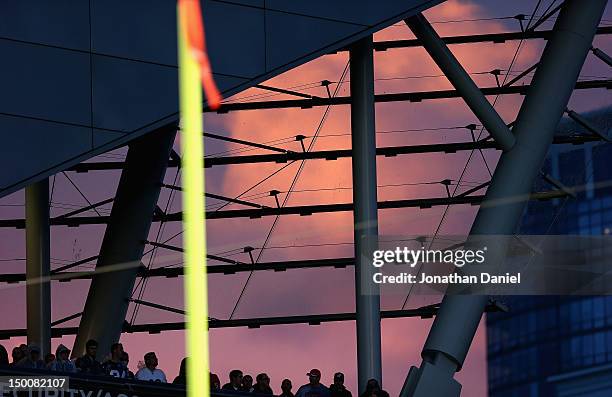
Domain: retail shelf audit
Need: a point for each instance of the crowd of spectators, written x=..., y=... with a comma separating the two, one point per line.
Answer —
x=238, y=382
x=117, y=365
x=29, y=356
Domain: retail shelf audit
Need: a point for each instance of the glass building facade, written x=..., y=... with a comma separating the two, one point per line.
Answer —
x=553, y=345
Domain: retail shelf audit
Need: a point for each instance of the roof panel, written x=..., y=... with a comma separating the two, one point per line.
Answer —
x=38, y=145
x=236, y=48
x=133, y=76
x=45, y=82
x=127, y=95
x=135, y=30
x=300, y=35
x=368, y=13
x=63, y=23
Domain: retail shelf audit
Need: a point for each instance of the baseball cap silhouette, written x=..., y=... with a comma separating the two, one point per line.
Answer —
x=314, y=372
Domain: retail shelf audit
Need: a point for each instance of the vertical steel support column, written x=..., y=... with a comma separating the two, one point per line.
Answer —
x=552, y=85
x=367, y=294
x=123, y=244
x=38, y=265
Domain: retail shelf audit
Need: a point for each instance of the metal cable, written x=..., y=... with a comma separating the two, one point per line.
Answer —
x=286, y=198
x=80, y=192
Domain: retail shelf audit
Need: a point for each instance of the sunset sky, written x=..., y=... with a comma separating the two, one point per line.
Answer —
x=290, y=351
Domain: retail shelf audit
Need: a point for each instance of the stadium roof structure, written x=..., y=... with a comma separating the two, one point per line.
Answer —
x=81, y=80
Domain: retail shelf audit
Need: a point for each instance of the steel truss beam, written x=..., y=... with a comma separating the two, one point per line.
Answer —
x=334, y=154
x=478, y=38
x=315, y=319
x=416, y=96
x=302, y=210
x=170, y=272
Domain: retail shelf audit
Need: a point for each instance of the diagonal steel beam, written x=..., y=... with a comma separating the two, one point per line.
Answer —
x=545, y=17
x=87, y=208
x=219, y=197
x=123, y=246
x=180, y=249
x=587, y=125
x=284, y=91
x=453, y=329
x=74, y=264
x=461, y=80
x=66, y=319
x=243, y=142
x=158, y=306
x=522, y=74
x=474, y=189
x=602, y=55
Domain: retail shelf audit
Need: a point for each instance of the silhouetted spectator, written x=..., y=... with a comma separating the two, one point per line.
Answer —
x=150, y=372
x=4, y=361
x=286, y=387
x=373, y=389
x=16, y=355
x=235, y=383
x=24, y=350
x=181, y=378
x=215, y=382
x=262, y=384
x=32, y=358
x=337, y=389
x=88, y=364
x=115, y=367
x=247, y=383
x=49, y=358
x=313, y=388
x=125, y=359
x=62, y=361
